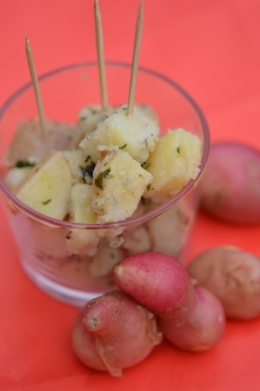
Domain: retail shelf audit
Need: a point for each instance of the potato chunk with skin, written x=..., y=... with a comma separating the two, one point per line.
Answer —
x=81, y=241
x=136, y=134
x=29, y=143
x=118, y=184
x=47, y=188
x=173, y=163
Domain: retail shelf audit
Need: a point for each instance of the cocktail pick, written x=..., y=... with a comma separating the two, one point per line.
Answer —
x=100, y=54
x=36, y=87
x=135, y=59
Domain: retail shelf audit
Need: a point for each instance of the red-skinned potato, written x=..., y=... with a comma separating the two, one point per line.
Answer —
x=233, y=275
x=191, y=318
x=114, y=332
x=230, y=186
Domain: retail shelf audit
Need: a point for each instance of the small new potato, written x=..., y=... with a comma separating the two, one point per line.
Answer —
x=190, y=318
x=114, y=332
x=230, y=186
x=233, y=275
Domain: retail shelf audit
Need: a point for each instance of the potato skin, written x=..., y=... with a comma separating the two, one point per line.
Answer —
x=230, y=186
x=155, y=280
x=114, y=332
x=233, y=275
x=191, y=318
x=202, y=328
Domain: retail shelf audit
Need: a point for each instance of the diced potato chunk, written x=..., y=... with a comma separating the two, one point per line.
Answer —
x=105, y=260
x=80, y=200
x=169, y=231
x=135, y=134
x=81, y=166
x=174, y=162
x=47, y=188
x=29, y=144
x=137, y=241
x=91, y=116
x=119, y=182
x=81, y=241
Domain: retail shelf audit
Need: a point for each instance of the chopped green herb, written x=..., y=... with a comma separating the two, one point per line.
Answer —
x=24, y=163
x=106, y=172
x=148, y=187
x=145, y=165
x=123, y=146
x=87, y=159
x=100, y=178
x=179, y=149
x=83, y=118
x=46, y=202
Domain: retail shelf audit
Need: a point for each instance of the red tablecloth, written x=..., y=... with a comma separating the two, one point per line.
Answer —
x=212, y=48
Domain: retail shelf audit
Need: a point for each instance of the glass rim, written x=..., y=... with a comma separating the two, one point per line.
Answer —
x=132, y=220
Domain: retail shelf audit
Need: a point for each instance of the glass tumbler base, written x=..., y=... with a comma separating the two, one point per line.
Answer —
x=73, y=297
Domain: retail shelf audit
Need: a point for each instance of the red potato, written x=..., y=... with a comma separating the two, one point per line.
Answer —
x=114, y=332
x=230, y=187
x=233, y=276
x=191, y=318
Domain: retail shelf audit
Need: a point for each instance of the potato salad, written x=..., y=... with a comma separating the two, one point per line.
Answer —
x=107, y=168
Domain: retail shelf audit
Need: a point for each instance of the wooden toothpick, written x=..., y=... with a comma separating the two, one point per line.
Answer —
x=100, y=54
x=36, y=87
x=135, y=59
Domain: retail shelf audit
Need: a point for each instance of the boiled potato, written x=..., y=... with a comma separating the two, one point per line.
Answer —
x=136, y=134
x=105, y=260
x=82, y=241
x=81, y=166
x=174, y=162
x=118, y=184
x=91, y=116
x=169, y=231
x=137, y=241
x=47, y=188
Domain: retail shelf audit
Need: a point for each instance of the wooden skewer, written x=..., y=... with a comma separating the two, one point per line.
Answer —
x=100, y=53
x=135, y=59
x=36, y=87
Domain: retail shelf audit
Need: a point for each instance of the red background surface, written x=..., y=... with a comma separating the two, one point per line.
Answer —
x=212, y=48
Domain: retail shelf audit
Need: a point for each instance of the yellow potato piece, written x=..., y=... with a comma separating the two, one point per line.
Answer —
x=47, y=188
x=82, y=241
x=174, y=162
x=118, y=184
x=136, y=134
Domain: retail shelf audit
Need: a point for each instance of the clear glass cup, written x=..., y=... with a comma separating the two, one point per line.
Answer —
x=44, y=248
